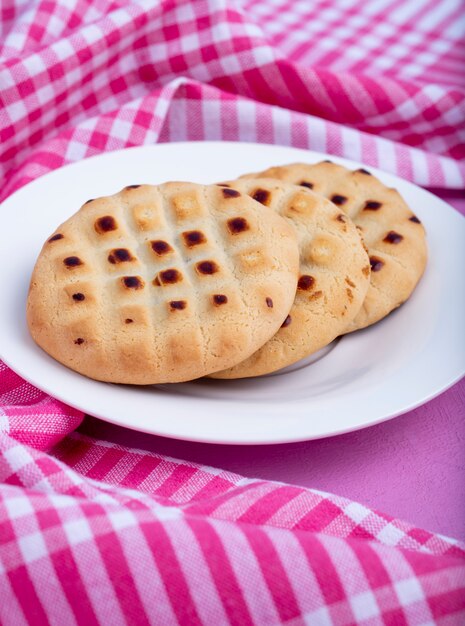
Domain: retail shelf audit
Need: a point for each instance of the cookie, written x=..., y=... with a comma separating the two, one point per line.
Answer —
x=162, y=284
x=393, y=234
x=333, y=281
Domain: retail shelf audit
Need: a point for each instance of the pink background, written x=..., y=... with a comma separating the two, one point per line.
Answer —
x=412, y=467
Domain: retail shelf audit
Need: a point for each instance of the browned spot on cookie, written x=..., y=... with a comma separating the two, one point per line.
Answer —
x=341, y=218
x=269, y=303
x=132, y=187
x=305, y=183
x=222, y=185
x=72, y=261
x=363, y=171
x=79, y=341
x=87, y=201
x=327, y=161
x=178, y=305
x=219, y=298
x=338, y=199
x=393, y=237
x=56, y=237
x=366, y=270
x=230, y=193
x=350, y=294
x=120, y=255
x=105, y=224
x=286, y=322
x=306, y=282
x=414, y=219
x=316, y=295
x=262, y=196
x=376, y=263
x=128, y=320
x=207, y=267
x=193, y=238
x=238, y=225
x=372, y=205
x=349, y=282
x=78, y=297
x=132, y=282
x=156, y=282
x=161, y=247
x=170, y=276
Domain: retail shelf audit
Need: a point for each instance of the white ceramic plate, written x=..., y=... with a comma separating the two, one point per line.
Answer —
x=364, y=378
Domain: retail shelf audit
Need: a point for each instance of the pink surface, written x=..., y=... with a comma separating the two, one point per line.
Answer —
x=412, y=467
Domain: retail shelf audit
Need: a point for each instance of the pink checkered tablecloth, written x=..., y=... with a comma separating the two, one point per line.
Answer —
x=95, y=533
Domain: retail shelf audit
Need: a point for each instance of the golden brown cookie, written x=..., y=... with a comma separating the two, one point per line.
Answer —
x=394, y=236
x=163, y=283
x=333, y=281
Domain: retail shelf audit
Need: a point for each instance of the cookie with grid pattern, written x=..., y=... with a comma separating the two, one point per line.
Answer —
x=160, y=284
x=393, y=234
x=333, y=280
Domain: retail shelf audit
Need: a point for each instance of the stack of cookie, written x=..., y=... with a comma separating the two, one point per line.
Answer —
x=169, y=283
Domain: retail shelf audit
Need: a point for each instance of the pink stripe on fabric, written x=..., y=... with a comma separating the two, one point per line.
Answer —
x=404, y=163
x=12, y=607
x=27, y=596
x=221, y=571
x=179, y=475
x=239, y=500
x=323, y=568
x=334, y=139
x=170, y=572
x=208, y=508
x=215, y=487
x=369, y=152
x=299, y=133
x=265, y=507
x=426, y=563
x=10, y=382
x=436, y=174
x=116, y=564
x=198, y=576
x=451, y=603
x=73, y=587
x=274, y=573
x=254, y=589
x=319, y=517
x=140, y=472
